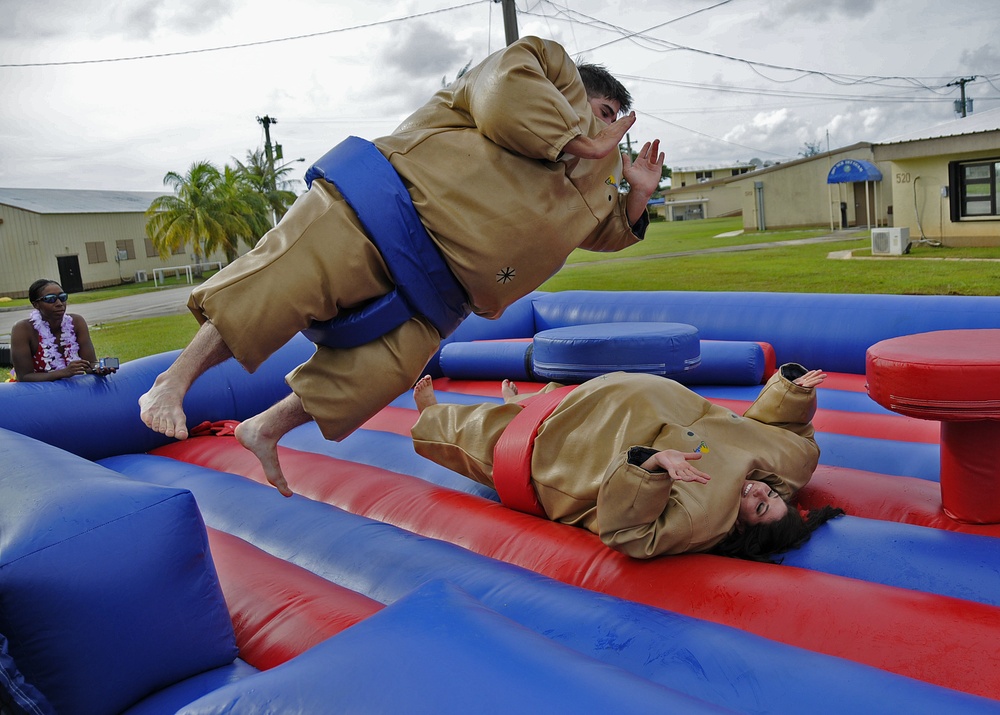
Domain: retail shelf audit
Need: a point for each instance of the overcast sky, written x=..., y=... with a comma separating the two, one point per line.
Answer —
x=113, y=94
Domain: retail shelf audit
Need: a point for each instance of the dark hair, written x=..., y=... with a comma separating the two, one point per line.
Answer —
x=760, y=541
x=601, y=83
x=35, y=291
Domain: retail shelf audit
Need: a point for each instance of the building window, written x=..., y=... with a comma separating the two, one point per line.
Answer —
x=974, y=190
x=151, y=251
x=702, y=176
x=128, y=246
x=96, y=252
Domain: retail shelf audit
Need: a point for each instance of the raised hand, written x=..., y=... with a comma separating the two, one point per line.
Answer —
x=644, y=174
x=604, y=142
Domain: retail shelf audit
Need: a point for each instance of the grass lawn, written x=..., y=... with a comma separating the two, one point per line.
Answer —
x=804, y=268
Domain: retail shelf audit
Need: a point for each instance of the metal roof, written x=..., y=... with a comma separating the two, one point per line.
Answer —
x=976, y=123
x=77, y=201
x=713, y=167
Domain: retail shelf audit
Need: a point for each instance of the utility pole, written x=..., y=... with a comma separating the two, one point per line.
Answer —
x=963, y=106
x=509, y=20
x=266, y=122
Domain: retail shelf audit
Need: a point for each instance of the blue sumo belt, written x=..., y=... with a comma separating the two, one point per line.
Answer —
x=424, y=283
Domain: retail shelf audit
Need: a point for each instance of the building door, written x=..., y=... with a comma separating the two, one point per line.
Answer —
x=861, y=200
x=69, y=273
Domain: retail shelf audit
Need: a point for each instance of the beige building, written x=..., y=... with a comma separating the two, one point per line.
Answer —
x=787, y=195
x=942, y=184
x=797, y=194
x=702, y=192
x=83, y=239
x=946, y=180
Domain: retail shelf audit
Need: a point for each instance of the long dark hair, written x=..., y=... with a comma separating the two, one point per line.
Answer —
x=761, y=541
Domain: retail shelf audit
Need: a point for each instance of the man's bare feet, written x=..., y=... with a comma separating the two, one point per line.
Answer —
x=162, y=409
x=509, y=390
x=250, y=434
x=423, y=393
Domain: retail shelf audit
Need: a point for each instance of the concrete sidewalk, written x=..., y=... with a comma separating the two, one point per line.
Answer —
x=168, y=301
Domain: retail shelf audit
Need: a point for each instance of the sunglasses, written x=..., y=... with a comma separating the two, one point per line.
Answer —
x=52, y=298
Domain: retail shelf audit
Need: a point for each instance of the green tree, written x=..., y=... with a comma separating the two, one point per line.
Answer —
x=273, y=185
x=191, y=216
x=244, y=213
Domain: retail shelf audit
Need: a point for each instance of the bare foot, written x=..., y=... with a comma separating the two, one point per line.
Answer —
x=250, y=435
x=423, y=393
x=509, y=390
x=162, y=409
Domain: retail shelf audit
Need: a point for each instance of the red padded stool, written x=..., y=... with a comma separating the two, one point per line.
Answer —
x=952, y=376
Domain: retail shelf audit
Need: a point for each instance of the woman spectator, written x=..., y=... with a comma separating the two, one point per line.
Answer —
x=51, y=344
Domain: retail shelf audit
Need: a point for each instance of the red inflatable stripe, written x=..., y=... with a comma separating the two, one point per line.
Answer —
x=280, y=610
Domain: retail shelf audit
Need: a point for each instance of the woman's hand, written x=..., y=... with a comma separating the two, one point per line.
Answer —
x=677, y=465
x=74, y=368
x=811, y=379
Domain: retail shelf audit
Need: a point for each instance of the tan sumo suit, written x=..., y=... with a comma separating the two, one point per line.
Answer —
x=580, y=465
x=482, y=163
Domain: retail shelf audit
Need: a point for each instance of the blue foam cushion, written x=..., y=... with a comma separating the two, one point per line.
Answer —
x=498, y=360
x=581, y=352
x=108, y=589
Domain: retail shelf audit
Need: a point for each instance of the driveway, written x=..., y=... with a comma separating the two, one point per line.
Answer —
x=168, y=301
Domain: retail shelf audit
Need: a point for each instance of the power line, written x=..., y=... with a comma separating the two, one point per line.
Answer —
x=764, y=92
x=245, y=44
x=566, y=14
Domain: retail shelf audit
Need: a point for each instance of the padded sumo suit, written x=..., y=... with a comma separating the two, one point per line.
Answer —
x=482, y=164
x=584, y=465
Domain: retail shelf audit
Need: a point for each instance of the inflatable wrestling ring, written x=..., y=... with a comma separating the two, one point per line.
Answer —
x=145, y=576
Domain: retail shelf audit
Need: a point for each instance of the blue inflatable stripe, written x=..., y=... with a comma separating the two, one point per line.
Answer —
x=392, y=452
x=904, y=459
x=906, y=556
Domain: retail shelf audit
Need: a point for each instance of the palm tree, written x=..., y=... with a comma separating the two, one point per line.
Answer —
x=192, y=215
x=268, y=181
x=245, y=213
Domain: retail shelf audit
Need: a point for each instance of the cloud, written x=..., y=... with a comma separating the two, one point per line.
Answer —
x=97, y=19
x=791, y=10
x=982, y=60
x=147, y=18
x=414, y=61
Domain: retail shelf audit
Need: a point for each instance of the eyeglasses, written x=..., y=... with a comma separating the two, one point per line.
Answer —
x=53, y=297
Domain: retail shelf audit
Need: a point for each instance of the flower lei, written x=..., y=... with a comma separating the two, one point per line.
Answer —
x=54, y=357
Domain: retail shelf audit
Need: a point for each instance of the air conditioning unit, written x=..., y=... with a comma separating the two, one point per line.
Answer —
x=890, y=241
x=141, y=277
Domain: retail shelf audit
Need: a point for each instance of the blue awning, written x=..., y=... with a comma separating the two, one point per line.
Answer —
x=851, y=170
